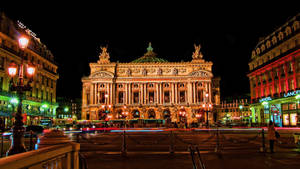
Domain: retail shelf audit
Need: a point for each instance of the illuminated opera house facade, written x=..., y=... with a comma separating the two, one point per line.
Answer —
x=150, y=88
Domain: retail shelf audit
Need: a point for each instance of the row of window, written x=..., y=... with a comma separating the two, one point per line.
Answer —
x=150, y=97
x=282, y=71
x=286, y=85
x=29, y=57
x=265, y=58
x=151, y=85
x=281, y=35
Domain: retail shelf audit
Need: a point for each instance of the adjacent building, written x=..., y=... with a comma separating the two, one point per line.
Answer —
x=68, y=111
x=234, y=112
x=40, y=103
x=149, y=89
x=275, y=76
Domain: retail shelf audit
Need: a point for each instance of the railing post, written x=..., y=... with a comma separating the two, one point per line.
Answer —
x=217, y=149
x=124, y=147
x=30, y=145
x=77, y=138
x=2, y=138
x=263, y=148
x=171, y=142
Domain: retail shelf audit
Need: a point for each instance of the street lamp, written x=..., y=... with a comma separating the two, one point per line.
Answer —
x=207, y=109
x=17, y=145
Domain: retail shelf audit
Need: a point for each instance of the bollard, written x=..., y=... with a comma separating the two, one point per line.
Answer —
x=77, y=138
x=30, y=145
x=263, y=148
x=171, y=148
x=217, y=149
x=124, y=147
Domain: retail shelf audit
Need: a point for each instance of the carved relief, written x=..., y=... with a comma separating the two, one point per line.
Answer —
x=121, y=71
x=175, y=71
x=136, y=71
x=200, y=74
x=144, y=72
x=101, y=74
x=167, y=70
x=128, y=72
x=182, y=70
x=159, y=71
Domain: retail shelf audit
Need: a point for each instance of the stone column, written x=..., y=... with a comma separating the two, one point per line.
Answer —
x=145, y=93
x=189, y=93
x=111, y=93
x=95, y=93
x=176, y=92
x=172, y=94
x=83, y=95
x=161, y=93
x=194, y=92
x=210, y=92
x=91, y=93
x=157, y=93
x=141, y=93
x=129, y=94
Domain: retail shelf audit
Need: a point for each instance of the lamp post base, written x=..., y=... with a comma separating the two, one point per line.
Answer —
x=17, y=143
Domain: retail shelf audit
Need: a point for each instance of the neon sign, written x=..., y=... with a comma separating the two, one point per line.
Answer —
x=265, y=99
x=293, y=93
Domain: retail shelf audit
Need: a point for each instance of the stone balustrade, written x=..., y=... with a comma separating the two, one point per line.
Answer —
x=63, y=156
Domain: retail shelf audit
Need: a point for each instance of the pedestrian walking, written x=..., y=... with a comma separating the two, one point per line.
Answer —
x=271, y=135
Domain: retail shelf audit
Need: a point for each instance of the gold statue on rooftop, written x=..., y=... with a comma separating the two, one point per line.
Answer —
x=104, y=55
x=197, y=54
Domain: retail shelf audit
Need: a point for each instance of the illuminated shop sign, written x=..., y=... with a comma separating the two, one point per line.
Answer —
x=293, y=93
x=265, y=99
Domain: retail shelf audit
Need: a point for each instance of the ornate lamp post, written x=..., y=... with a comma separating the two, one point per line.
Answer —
x=207, y=109
x=17, y=145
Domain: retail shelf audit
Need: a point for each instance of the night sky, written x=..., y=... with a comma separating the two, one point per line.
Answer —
x=227, y=35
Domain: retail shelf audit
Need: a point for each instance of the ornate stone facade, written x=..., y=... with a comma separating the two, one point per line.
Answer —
x=149, y=88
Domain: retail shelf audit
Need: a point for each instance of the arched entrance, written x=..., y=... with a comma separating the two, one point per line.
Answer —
x=151, y=114
x=119, y=114
x=102, y=115
x=166, y=114
x=135, y=113
x=182, y=115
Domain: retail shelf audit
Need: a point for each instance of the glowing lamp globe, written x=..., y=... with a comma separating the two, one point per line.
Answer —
x=30, y=70
x=12, y=69
x=23, y=42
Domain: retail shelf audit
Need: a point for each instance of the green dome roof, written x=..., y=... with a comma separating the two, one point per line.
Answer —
x=150, y=56
x=148, y=59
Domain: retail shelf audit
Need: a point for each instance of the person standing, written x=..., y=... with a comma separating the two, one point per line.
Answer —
x=271, y=135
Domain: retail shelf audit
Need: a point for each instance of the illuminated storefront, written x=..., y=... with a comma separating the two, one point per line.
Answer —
x=275, y=76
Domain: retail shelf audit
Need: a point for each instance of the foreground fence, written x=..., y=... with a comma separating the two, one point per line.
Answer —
x=64, y=156
x=210, y=140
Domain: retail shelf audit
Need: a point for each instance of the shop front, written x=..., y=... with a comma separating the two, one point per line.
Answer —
x=284, y=112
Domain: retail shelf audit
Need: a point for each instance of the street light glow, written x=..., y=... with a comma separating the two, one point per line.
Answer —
x=14, y=101
x=12, y=69
x=30, y=70
x=23, y=42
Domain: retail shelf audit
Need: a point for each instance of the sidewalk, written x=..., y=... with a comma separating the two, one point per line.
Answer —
x=239, y=160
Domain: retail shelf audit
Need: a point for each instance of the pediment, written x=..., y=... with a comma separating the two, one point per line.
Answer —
x=101, y=74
